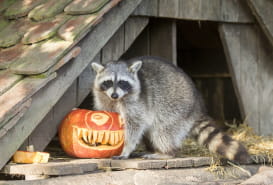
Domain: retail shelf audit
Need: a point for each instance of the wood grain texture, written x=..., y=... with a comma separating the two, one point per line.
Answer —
x=133, y=27
x=250, y=58
x=44, y=100
x=209, y=10
x=24, y=89
x=7, y=80
x=262, y=10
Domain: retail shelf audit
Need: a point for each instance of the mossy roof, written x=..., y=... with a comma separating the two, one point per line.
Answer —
x=35, y=35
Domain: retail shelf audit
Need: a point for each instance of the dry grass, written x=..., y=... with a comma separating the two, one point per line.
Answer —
x=259, y=147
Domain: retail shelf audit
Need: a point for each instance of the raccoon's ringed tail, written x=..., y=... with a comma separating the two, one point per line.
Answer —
x=209, y=135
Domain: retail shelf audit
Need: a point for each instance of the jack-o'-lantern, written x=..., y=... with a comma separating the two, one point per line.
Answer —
x=92, y=134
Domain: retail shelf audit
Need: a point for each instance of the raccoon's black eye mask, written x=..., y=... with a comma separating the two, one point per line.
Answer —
x=124, y=85
x=106, y=85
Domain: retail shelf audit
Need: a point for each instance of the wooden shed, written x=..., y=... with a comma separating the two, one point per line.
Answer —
x=45, y=55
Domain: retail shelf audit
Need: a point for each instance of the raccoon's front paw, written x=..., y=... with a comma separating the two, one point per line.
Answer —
x=120, y=157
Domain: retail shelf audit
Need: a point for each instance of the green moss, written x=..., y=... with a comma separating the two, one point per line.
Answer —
x=4, y=4
x=3, y=23
x=47, y=10
x=76, y=8
x=20, y=8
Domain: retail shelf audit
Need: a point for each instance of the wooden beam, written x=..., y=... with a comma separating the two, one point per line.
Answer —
x=250, y=59
x=263, y=12
x=209, y=10
x=45, y=99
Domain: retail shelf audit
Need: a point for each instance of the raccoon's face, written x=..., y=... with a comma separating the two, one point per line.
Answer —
x=116, y=79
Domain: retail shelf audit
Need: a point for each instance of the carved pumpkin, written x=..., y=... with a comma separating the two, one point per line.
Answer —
x=92, y=134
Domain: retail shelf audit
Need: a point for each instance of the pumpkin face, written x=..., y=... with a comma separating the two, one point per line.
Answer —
x=92, y=134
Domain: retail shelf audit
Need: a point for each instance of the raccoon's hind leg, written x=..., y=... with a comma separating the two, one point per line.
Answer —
x=166, y=141
x=152, y=152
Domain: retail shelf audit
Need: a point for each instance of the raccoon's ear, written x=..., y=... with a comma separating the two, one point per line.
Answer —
x=97, y=67
x=135, y=66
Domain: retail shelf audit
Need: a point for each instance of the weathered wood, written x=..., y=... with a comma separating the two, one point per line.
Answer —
x=133, y=27
x=168, y=8
x=140, y=47
x=138, y=164
x=250, y=59
x=262, y=10
x=7, y=80
x=52, y=168
x=85, y=81
x=163, y=40
x=47, y=129
x=209, y=10
x=24, y=89
x=200, y=175
x=5, y=126
x=51, y=93
x=114, y=47
x=147, y=8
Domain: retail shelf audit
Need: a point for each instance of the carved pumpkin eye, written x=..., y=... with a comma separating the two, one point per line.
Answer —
x=106, y=85
x=124, y=85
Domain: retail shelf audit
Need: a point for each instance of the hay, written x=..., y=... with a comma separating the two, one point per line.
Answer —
x=259, y=147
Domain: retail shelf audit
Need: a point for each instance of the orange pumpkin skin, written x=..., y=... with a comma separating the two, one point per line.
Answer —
x=92, y=134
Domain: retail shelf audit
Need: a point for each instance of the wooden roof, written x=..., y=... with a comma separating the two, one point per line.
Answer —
x=38, y=37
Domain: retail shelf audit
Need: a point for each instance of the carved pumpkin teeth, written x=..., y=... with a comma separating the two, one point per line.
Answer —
x=106, y=138
x=79, y=132
x=95, y=137
x=100, y=137
x=116, y=137
x=120, y=134
x=112, y=138
x=84, y=135
x=89, y=136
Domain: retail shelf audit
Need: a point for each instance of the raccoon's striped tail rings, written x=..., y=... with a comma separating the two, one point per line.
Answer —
x=207, y=134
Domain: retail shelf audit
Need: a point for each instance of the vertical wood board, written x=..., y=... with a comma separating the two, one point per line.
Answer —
x=114, y=47
x=250, y=58
x=163, y=40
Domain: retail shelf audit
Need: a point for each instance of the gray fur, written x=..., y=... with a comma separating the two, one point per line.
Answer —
x=163, y=104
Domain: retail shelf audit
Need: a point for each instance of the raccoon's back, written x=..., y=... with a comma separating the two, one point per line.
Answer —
x=165, y=86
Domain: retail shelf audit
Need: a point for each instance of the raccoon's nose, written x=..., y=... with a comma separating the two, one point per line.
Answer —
x=114, y=95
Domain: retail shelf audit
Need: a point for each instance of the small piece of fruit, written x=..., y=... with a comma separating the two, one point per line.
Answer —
x=30, y=157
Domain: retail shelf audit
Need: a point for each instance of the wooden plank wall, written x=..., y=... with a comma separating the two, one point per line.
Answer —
x=158, y=39
x=212, y=10
x=81, y=87
x=250, y=57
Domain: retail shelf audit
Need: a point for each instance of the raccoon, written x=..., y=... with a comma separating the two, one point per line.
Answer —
x=159, y=104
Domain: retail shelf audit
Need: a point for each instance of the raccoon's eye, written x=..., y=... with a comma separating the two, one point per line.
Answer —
x=124, y=85
x=106, y=85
